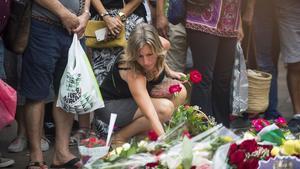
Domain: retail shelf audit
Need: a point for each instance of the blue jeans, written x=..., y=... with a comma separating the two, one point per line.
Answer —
x=266, y=40
x=2, y=70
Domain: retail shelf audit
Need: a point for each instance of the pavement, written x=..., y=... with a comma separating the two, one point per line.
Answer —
x=9, y=133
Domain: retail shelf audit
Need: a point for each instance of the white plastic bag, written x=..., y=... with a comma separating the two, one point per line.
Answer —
x=239, y=85
x=79, y=91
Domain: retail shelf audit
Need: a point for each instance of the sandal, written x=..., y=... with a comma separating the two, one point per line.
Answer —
x=74, y=163
x=37, y=165
x=294, y=125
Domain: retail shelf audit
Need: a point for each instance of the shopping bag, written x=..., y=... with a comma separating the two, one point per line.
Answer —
x=239, y=84
x=8, y=103
x=79, y=91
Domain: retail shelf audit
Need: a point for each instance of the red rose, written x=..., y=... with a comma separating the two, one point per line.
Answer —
x=93, y=140
x=186, y=133
x=175, y=88
x=249, y=145
x=269, y=147
x=233, y=148
x=152, y=165
x=237, y=157
x=195, y=76
x=152, y=135
x=251, y=163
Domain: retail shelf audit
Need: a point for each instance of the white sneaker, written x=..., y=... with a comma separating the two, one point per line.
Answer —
x=45, y=144
x=17, y=145
x=5, y=162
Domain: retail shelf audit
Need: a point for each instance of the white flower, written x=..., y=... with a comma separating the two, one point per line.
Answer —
x=142, y=144
x=126, y=146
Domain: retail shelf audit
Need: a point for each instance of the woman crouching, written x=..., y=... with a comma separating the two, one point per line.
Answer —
x=127, y=90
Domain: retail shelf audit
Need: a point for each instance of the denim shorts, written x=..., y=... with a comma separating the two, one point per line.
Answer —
x=44, y=59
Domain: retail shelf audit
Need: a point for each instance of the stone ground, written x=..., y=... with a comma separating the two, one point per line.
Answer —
x=8, y=133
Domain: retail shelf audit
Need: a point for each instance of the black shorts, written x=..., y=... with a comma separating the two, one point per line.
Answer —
x=124, y=108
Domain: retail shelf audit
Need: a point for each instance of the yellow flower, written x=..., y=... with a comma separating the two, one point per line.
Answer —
x=275, y=151
x=289, y=147
x=227, y=139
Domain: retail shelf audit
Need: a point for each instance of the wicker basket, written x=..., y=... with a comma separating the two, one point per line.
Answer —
x=258, y=93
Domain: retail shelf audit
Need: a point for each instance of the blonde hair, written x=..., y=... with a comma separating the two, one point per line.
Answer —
x=143, y=34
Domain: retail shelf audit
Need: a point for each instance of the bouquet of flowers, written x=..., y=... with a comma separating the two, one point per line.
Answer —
x=247, y=154
x=195, y=120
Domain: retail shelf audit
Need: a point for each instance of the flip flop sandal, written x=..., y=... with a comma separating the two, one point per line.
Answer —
x=37, y=165
x=75, y=163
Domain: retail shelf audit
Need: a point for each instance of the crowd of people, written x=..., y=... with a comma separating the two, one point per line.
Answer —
x=132, y=79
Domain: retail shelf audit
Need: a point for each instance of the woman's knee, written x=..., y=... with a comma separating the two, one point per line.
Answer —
x=166, y=109
x=182, y=94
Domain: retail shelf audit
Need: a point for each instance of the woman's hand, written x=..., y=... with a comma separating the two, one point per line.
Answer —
x=114, y=25
x=176, y=75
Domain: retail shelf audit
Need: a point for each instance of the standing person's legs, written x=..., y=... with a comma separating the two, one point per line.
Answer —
x=293, y=79
x=289, y=28
x=176, y=56
x=265, y=32
x=63, y=120
x=222, y=80
x=63, y=126
x=204, y=49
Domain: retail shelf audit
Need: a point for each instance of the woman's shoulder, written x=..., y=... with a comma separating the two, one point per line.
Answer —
x=130, y=75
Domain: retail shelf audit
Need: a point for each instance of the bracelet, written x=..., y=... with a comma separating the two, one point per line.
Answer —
x=104, y=14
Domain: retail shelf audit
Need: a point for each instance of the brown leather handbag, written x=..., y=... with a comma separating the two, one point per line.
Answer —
x=16, y=33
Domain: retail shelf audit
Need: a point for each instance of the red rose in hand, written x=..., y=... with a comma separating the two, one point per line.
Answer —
x=195, y=76
x=249, y=145
x=175, y=89
x=237, y=157
x=233, y=148
x=152, y=135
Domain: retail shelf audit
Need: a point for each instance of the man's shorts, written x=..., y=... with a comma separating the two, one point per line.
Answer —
x=44, y=60
x=289, y=29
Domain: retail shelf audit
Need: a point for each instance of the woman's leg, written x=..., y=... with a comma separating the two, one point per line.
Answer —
x=204, y=49
x=222, y=80
x=140, y=123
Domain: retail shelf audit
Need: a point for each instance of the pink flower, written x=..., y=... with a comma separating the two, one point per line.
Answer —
x=259, y=124
x=280, y=121
x=258, y=127
x=175, y=89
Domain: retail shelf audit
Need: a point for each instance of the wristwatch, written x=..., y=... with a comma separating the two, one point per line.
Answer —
x=104, y=14
x=122, y=16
